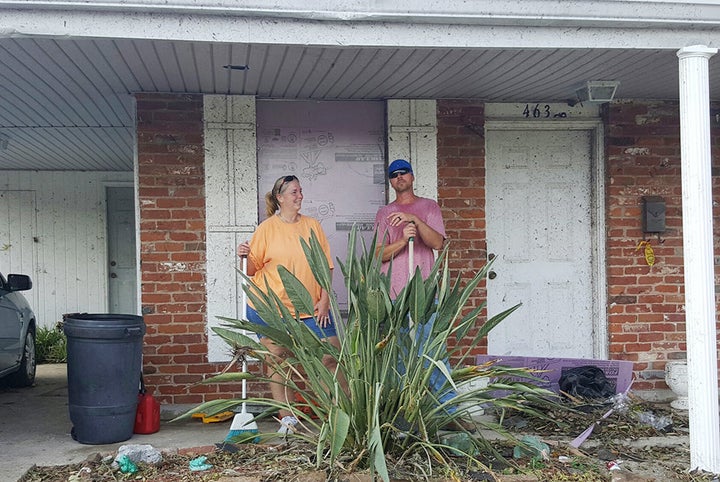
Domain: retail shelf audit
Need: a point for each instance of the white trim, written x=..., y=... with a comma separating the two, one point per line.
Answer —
x=47, y=19
x=136, y=181
x=633, y=13
x=243, y=126
x=600, y=321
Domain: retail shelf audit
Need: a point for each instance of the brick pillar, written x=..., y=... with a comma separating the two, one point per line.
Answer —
x=171, y=186
x=461, y=189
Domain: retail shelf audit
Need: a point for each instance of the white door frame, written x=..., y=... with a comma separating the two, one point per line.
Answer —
x=599, y=281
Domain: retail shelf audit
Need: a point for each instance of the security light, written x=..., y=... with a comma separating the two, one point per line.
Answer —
x=597, y=91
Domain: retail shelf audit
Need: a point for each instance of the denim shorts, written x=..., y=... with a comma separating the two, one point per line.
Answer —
x=327, y=332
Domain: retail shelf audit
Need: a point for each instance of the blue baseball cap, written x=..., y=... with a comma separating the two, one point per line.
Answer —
x=399, y=165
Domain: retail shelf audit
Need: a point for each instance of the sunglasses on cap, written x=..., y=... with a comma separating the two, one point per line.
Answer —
x=397, y=173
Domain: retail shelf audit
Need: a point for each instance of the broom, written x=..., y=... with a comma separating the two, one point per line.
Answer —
x=243, y=425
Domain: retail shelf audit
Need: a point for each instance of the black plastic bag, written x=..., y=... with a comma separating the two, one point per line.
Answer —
x=586, y=381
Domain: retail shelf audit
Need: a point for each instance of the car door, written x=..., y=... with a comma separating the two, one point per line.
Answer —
x=10, y=328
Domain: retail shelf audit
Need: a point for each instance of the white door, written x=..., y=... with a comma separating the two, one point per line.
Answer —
x=539, y=200
x=122, y=269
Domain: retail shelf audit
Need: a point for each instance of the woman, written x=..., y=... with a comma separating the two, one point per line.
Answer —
x=276, y=242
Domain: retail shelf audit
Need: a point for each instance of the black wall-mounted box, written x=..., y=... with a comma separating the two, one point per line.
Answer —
x=653, y=214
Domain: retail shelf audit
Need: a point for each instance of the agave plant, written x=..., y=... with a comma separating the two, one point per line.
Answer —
x=388, y=352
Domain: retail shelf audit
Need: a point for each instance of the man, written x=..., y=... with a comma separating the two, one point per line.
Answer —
x=409, y=216
x=419, y=218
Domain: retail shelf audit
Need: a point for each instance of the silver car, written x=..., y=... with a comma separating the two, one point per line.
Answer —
x=17, y=332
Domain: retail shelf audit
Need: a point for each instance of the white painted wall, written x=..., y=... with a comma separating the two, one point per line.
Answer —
x=70, y=246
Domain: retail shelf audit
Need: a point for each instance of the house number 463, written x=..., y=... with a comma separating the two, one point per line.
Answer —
x=541, y=112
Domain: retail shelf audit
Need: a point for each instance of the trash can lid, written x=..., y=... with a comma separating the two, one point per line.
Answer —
x=103, y=325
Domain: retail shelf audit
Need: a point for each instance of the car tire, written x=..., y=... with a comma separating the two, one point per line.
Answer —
x=25, y=376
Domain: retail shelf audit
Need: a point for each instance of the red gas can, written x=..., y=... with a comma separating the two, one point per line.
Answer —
x=147, y=417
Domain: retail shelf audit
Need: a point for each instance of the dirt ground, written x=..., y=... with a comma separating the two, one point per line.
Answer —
x=624, y=447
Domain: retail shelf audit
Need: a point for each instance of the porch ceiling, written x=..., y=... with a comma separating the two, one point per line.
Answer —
x=66, y=104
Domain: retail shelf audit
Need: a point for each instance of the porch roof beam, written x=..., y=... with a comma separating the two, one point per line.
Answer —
x=670, y=27
x=628, y=13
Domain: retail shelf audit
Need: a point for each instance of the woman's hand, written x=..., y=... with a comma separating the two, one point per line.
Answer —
x=243, y=249
x=322, y=308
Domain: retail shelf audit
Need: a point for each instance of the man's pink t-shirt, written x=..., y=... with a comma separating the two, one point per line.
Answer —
x=423, y=256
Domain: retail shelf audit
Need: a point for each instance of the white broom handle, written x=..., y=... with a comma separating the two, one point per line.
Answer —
x=244, y=315
x=411, y=255
x=411, y=270
x=242, y=286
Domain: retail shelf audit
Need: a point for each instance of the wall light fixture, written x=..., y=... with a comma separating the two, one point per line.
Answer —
x=596, y=91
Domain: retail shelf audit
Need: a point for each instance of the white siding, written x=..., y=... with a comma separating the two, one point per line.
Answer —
x=17, y=228
x=70, y=248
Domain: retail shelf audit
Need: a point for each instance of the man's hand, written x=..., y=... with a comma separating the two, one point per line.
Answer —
x=409, y=231
x=397, y=218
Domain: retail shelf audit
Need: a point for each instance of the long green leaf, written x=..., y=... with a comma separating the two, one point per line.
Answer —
x=297, y=292
x=339, y=426
x=375, y=445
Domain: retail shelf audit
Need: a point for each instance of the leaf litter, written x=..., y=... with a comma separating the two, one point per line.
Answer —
x=620, y=440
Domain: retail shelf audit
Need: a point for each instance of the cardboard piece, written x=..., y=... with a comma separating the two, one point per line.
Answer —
x=619, y=372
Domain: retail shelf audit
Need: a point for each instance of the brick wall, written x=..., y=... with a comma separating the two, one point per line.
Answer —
x=646, y=312
x=171, y=183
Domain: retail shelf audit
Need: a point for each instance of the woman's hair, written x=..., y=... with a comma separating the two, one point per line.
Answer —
x=271, y=202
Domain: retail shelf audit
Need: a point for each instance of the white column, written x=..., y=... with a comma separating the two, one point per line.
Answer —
x=231, y=210
x=412, y=135
x=698, y=256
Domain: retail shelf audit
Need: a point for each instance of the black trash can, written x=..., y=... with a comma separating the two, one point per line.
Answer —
x=104, y=358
